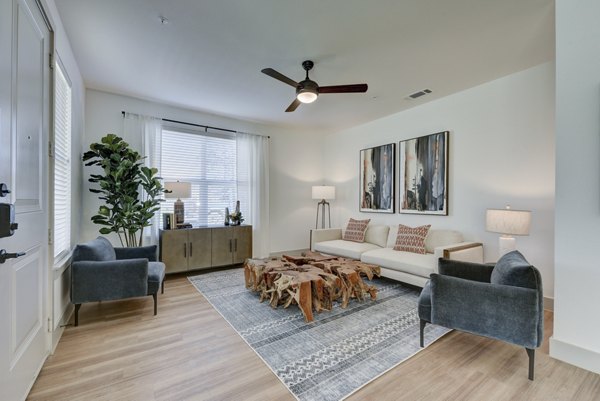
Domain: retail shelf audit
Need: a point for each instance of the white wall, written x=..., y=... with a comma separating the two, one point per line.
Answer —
x=576, y=336
x=60, y=303
x=295, y=162
x=501, y=152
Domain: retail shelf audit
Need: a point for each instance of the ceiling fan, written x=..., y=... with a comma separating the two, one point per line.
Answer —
x=308, y=90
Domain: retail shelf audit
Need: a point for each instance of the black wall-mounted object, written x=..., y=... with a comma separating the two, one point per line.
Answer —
x=3, y=190
x=7, y=220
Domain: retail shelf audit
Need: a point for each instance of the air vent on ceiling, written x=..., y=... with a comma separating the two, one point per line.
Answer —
x=418, y=94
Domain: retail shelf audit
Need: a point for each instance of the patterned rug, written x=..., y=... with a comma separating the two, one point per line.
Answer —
x=335, y=355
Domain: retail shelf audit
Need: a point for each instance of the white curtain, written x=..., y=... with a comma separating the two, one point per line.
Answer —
x=149, y=129
x=253, y=188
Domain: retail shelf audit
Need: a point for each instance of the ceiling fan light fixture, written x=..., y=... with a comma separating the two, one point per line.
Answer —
x=306, y=96
x=308, y=90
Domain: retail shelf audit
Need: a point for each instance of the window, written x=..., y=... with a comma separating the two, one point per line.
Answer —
x=206, y=161
x=62, y=164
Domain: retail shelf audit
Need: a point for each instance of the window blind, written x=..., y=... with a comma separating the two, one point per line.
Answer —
x=62, y=164
x=206, y=161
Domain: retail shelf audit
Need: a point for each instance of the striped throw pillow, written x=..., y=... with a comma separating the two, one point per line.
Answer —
x=355, y=230
x=411, y=239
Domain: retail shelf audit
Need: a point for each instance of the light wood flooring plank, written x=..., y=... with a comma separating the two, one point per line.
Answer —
x=120, y=351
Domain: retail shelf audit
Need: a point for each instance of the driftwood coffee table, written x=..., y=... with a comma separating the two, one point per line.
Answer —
x=312, y=281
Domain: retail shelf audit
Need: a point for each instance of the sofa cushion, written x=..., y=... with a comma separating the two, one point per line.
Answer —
x=377, y=235
x=355, y=230
x=347, y=249
x=513, y=269
x=100, y=250
x=437, y=238
x=411, y=239
x=407, y=262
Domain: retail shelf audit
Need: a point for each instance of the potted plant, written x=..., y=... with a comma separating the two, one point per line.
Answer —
x=131, y=191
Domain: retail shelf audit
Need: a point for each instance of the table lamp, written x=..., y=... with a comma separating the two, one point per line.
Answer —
x=178, y=190
x=507, y=222
x=323, y=192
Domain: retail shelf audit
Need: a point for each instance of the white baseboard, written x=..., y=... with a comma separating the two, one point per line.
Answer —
x=575, y=355
x=549, y=304
x=64, y=321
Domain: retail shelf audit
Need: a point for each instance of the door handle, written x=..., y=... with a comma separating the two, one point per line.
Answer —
x=5, y=255
x=230, y=247
x=185, y=249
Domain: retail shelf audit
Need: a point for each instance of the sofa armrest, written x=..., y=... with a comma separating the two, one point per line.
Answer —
x=148, y=252
x=327, y=234
x=465, y=251
x=103, y=281
x=503, y=312
x=466, y=270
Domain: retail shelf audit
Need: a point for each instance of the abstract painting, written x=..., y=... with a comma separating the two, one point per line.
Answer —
x=424, y=175
x=377, y=179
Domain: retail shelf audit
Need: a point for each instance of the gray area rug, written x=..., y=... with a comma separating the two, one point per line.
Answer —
x=339, y=352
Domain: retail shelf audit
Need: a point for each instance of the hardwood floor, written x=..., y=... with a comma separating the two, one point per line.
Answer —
x=120, y=351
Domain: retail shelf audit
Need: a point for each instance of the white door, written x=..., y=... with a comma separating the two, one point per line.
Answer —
x=25, y=46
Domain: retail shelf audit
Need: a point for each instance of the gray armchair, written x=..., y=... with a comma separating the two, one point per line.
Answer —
x=103, y=273
x=502, y=301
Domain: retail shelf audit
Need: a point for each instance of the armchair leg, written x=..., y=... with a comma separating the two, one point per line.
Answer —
x=531, y=355
x=155, y=296
x=162, y=287
x=422, y=324
x=77, y=306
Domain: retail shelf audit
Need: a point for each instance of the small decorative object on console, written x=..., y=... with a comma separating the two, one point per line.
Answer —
x=227, y=216
x=236, y=217
x=168, y=221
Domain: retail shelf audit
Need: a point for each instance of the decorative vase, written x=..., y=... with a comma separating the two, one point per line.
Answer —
x=226, y=216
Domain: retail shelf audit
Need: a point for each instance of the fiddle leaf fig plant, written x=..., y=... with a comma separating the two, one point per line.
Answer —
x=130, y=190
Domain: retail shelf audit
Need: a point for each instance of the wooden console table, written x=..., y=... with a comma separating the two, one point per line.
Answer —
x=205, y=247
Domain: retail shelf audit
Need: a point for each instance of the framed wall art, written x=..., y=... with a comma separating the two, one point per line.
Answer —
x=424, y=175
x=377, y=179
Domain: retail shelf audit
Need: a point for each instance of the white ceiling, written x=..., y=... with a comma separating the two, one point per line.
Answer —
x=209, y=56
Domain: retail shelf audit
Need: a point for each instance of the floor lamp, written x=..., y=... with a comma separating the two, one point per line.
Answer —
x=323, y=192
x=507, y=222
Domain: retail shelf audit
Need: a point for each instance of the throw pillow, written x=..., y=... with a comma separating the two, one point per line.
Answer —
x=355, y=230
x=411, y=239
x=513, y=269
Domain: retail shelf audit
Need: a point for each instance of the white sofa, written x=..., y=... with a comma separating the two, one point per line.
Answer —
x=408, y=267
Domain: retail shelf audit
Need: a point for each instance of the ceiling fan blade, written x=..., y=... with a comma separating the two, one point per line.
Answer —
x=357, y=88
x=279, y=76
x=293, y=106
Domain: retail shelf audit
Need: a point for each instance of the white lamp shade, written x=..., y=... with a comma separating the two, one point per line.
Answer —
x=508, y=221
x=178, y=190
x=323, y=192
